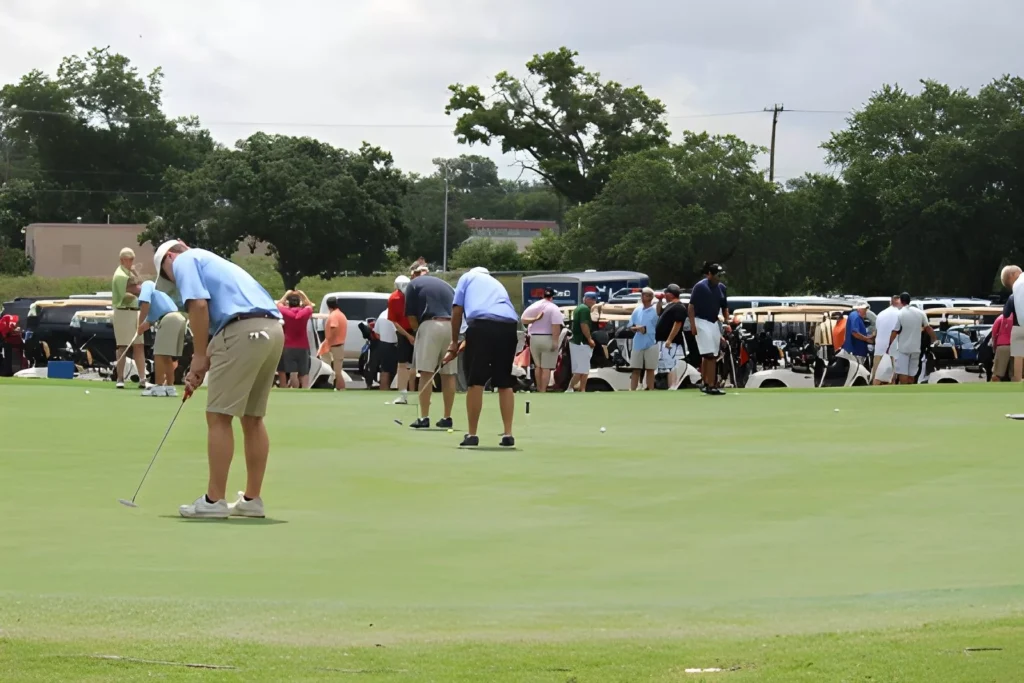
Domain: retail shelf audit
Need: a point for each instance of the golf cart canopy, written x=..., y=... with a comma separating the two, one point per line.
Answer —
x=570, y=287
x=965, y=312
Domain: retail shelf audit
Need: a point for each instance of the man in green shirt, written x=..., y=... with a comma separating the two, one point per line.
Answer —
x=581, y=344
x=125, y=287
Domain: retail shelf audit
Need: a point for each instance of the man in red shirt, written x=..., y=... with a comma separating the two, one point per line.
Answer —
x=297, y=309
x=396, y=315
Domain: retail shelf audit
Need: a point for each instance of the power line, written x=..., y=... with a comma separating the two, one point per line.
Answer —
x=4, y=190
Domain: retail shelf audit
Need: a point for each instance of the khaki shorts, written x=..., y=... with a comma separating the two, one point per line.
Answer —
x=432, y=340
x=170, y=336
x=336, y=353
x=1002, y=361
x=646, y=359
x=126, y=324
x=544, y=356
x=243, y=361
x=1017, y=341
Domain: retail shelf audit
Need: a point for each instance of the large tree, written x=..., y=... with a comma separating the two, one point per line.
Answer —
x=568, y=124
x=93, y=140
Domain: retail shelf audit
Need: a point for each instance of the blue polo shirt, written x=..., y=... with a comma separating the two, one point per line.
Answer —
x=230, y=291
x=160, y=303
x=644, y=317
x=484, y=298
x=855, y=323
x=708, y=301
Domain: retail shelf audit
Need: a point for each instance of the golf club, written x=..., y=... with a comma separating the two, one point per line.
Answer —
x=131, y=503
x=128, y=348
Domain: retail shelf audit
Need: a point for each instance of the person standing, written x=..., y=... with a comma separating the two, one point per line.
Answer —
x=428, y=306
x=857, y=337
x=125, y=287
x=387, y=350
x=332, y=348
x=1002, y=330
x=644, y=357
x=706, y=301
x=157, y=309
x=581, y=343
x=490, y=347
x=669, y=332
x=240, y=359
x=1012, y=280
x=296, y=309
x=544, y=321
x=912, y=323
x=881, y=366
x=396, y=314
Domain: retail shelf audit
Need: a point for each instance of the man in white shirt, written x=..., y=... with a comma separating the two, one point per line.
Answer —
x=912, y=322
x=1012, y=280
x=886, y=322
x=387, y=349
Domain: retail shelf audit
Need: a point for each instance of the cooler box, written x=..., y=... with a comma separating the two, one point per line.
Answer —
x=60, y=369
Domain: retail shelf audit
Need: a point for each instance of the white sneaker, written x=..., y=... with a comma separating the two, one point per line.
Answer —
x=401, y=401
x=203, y=510
x=120, y=385
x=246, y=508
x=153, y=391
x=171, y=392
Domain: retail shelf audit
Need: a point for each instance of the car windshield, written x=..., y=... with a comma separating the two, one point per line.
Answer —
x=362, y=309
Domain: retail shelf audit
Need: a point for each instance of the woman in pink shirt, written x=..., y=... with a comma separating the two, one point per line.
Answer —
x=545, y=322
x=1001, y=330
x=297, y=309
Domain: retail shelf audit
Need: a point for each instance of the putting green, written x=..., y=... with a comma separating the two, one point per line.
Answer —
x=693, y=519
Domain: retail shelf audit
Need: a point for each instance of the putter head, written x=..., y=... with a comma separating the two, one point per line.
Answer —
x=127, y=503
x=398, y=422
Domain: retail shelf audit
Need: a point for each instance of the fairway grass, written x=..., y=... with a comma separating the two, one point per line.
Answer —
x=760, y=530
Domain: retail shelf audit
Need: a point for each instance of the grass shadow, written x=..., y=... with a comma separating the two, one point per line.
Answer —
x=242, y=521
x=488, y=449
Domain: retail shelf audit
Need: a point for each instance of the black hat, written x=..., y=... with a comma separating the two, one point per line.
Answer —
x=713, y=269
x=548, y=292
x=674, y=290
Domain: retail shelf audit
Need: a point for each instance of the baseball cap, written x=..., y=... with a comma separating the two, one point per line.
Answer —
x=674, y=290
x=548, y=292
x=161, y=253
x=480, y=269
x=861, y=304
x=590, y=295
x=713, y=269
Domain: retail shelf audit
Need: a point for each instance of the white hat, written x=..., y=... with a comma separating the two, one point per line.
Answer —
x=127, y=253
x=480, y=269
x=401, y=282
x=861, y=304
x=161, y=252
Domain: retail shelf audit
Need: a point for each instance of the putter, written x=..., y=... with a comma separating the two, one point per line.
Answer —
x=131, y=503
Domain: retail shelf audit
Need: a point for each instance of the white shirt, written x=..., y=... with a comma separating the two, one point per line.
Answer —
x=911, y=323
x=385, y=329
x=1018, y=299
x=887, y=321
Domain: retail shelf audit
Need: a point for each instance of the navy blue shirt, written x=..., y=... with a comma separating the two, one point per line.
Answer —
x=708, y=301
x=428, y=297
x=855, y=323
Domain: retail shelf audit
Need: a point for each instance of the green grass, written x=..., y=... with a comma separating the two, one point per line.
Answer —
x=260, y=267
x=760, y=530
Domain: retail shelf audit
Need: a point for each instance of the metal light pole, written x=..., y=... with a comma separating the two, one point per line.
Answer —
x=444, y=243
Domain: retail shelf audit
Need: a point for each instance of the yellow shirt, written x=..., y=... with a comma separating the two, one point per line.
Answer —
x=120, y=298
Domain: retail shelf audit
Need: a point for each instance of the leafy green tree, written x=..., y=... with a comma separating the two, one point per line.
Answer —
x=570, y=125
x=545, y=252
x=495, y=256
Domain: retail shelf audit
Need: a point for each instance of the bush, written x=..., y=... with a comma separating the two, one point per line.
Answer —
x=14, y=262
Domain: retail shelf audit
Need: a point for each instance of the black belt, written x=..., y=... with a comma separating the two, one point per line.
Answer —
x=250, y=316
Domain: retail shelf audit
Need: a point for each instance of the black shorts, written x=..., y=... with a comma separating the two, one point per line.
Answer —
x=490, y=353
x=387, y=357
x=294, y=361
x=404, y=350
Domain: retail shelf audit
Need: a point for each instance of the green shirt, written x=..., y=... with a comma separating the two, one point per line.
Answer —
x=580, y=316
x=120, y=298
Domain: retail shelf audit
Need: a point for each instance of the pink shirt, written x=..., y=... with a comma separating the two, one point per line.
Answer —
x=551, y=315
x=1001, y=330
x=295, y=322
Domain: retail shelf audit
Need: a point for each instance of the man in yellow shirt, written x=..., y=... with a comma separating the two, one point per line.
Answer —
x=125, y=288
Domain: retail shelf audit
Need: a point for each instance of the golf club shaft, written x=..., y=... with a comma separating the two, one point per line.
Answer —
x=127, y=350
x=153, y=460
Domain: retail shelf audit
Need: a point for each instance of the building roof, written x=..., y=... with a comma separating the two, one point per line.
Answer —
x=489, y=224
x=122, y=226
x=595, y=276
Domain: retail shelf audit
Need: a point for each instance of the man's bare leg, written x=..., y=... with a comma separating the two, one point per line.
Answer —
x=474, y=403
x=257, y=450
x=650, y=380
x=385, y=381
x=634, y=380
x=1018, y=369
x=507, y=404
x=139, y=354
x=339, y=374
x=583, y=382
x=122, y=356
x=426, y=382
x=449, y=383
x=220, y=448
x=543, y=377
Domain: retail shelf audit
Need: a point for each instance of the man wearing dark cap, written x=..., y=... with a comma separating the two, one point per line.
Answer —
x=669, y=330
x=707, y=299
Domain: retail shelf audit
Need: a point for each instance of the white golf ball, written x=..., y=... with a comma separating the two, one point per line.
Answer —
x=602, y=430
x=387, y=403
x=87, y=391
x=837, y=410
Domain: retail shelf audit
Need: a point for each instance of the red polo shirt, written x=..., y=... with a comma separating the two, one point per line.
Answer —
x=396, y=310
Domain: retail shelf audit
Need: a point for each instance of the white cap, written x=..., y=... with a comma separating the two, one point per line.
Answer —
x=401, y=282
x=161, y=252
x=480, y=269
x=127, y=253
x=861, y=304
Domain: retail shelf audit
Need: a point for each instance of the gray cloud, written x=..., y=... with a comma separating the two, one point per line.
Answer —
x=233, y=62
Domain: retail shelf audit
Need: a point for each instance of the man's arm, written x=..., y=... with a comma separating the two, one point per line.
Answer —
x=676, y=327
x=892, y=338
x=414, y=323
x=143, y=314
x=304, y=300
x=284, y=298
x=931, y=333
x=692, y=314
x=585, y=328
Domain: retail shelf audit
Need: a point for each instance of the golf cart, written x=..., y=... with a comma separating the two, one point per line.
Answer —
x=802, y=336
x=48, y=333
x=956, y=358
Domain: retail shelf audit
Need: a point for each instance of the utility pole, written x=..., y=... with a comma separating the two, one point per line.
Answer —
x=444, y=241
x=775, y=110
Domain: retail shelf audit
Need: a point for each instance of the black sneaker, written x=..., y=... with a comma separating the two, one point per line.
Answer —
x=715, y=391
x=422, y=423
x=469, y=441
x=508, y=441
x=444, y=423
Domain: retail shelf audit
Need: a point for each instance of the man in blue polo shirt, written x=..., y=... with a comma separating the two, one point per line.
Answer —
x=491, y=340
x=857, y=337
x=644, y=357
x=241, y=358
x=707, y=299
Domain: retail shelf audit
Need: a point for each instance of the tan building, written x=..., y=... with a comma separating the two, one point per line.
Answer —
x=521, y=233
x=90, y=249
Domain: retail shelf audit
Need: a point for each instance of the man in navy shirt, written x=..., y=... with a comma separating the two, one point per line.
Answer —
x=857, y=337
x=707, y=299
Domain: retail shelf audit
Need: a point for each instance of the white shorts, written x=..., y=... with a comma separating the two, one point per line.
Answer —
x=580, y=355
x=709, y=338
x=907, y=364
x=669, y=357
x=646, y=359
x=1017, y=341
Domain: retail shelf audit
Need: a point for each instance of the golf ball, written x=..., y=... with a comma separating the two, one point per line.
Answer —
x=450, y=431
x=837, y=410
x=602, y=430
x=87, y=391
x=387, y=403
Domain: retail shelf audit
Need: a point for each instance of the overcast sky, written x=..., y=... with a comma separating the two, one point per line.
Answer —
x=238, y=64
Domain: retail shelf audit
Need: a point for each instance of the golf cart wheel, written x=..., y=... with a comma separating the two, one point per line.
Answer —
x=598, y=385
x=773, y=384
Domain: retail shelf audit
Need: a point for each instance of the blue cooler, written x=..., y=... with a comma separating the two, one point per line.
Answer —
x=60, y=369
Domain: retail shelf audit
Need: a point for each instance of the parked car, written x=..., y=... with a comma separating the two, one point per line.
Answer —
x=358, y=307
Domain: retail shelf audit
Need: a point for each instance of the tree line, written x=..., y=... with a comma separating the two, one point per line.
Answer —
x=925, y=194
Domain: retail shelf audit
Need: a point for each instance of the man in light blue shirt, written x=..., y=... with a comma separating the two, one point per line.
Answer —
x=491, y=341
x=238, y=339
x=158, y=309
x=644, y=357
